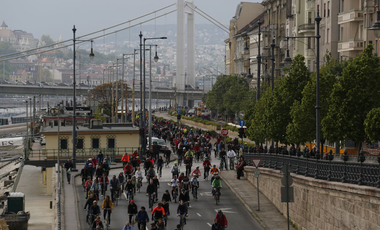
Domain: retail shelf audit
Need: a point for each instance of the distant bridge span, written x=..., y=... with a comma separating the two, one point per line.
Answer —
x=68, y=91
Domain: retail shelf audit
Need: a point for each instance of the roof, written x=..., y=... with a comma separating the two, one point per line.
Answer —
x=4, y=25
x=252, y=25
x=69, y=129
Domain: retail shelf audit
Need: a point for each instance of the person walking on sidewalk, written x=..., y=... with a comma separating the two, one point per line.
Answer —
x=240, y=167
x=231, y=156
x=68, y=166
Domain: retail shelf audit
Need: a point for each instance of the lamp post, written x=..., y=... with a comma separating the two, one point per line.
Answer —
x=150, y=93
x=376, y=25
x=258, y=64
x=74, y=134
x=142, y=88
x=273, y=45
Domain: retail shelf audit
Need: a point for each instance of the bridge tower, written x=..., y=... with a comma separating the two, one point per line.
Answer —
x=185, y=75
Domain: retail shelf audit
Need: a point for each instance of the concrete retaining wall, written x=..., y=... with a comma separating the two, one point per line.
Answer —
x=320, y=204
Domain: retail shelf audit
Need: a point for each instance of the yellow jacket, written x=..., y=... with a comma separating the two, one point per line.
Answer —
x=104, y=204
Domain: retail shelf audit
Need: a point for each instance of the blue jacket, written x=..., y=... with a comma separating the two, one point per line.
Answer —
x=129, y=228
x=142, y=216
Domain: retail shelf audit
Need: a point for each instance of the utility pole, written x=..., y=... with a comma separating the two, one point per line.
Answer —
x=175, y=96
x=27, y=131
x=122, y=93
x=116, y=91
x=30, y=115
x=34, y=113
x=133, y=87
x=112, y=100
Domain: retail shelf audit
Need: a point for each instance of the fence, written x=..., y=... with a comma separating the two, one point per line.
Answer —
x=341, y=171
x=81, y=154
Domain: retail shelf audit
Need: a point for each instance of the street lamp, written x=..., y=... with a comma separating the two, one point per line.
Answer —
x=74, y=134
x=142, y=88
x=156, y=56
x=287, y=60
x=258, y=64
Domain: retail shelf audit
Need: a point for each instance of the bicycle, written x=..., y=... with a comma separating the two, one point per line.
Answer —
x=159, y=171
x=139, y=183
x=195, y=193
x=217, y=196
x=179, y=160
x=207, y=172
x=175, y=194
x=130, y=196
x=133, y=220
x=141, y=225
x=232, y=163
x=151, y=201
x=84, y=184
x=107, y=220
x=91, y=222
x=182, y=221
x=167, y=162
x=116, y=196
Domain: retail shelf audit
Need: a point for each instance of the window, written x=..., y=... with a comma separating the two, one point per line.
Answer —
x=309, y=43
x=80, y=143
x=324, y=10
x=342, y=10
x=63, y=144
x=309, y=64
x=309, y=17
x=95, y=143
x=111, y=143
x=328, y=9
x=328, y=36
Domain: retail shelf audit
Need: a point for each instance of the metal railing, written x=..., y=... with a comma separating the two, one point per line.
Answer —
x=341, y=171
x=81, y=154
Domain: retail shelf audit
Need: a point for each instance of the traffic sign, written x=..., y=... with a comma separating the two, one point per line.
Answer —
x=224, y=132
x=289, y=179
x=287, y=194
x=257, y=173
x=256, y=162
x=241, y=123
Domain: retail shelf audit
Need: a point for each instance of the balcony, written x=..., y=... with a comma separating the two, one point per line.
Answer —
x=304, y=28
x=353, y=16
x=350, y=45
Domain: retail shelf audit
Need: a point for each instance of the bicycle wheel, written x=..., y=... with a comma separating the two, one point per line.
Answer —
x=150, y=202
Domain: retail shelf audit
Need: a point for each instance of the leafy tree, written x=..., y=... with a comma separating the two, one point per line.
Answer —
x=46, y=75
x=6, y=48
x=302, y=128
x=372, y=125
x=355, y=94
x=46, y=40
x=287, y=91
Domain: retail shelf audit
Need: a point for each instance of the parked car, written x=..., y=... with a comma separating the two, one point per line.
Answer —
x=62, y=84
x=160, y=142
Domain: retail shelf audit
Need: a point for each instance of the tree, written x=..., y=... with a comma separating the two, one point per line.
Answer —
x=372, y=125
x=302, y=128
x=6, y=48
x=103, y=94
x=46, y=40
x=287, y=91
x=355, y=94
x=46, y=75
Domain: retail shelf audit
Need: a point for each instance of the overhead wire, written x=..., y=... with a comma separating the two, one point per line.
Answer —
x=93, y=38
x=95, y=32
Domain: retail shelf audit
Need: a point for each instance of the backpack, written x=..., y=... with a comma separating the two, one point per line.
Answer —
x=175, y=169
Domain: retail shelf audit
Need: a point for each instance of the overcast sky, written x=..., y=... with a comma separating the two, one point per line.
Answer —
x=55, y=17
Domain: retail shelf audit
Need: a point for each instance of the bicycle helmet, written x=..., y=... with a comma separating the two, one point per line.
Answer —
x=175, y=163
x=214, y=166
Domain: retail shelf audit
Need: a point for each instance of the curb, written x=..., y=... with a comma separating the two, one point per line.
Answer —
x=253, y=213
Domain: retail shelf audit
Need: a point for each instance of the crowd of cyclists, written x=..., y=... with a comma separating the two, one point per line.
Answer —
x=189, y=145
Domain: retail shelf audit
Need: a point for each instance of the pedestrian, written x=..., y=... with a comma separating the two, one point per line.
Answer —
x=68, y=166
x=240, y=167
x=216, y=225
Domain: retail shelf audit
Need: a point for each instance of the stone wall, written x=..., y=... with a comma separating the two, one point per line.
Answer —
x=320, y=204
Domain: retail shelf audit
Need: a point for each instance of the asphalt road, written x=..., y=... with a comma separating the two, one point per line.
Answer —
x=201, y=212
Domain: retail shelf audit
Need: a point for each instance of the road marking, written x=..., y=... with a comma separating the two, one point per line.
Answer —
x=205, y=193
x=209, y=224
x=199, y=215
x=125, y=195
x=224, y=210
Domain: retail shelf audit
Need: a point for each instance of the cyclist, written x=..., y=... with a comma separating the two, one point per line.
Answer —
x=167, y=155
x=196, y=172
x=106, y=166
x=188, y=162
x=121, y=180
x=222, y=220
x=127, y=226
x=147, y=165
x=175, y=169
x=104, y=183
x=88, y=185
x=134, y=183
x=84, y=174
x=184, y=196
x=174, y=183
x=165, y=205
x=128, y=170
x=97, y=224
x=132, y=210
x=231, y=156
x=129, y=189
x=107, y=208
x=160, y=163
x=206, y=166
x=150, y=173
x=216, y=225
x=94, y=211
x=166, y=196
x=150, y=189
x=135, y=153
x=156, y=183
x=240, y=167
x=138, y=173
x=114, y=187
x=95, y=187
x=90, y=170
x=125, y=159
x=88, y=204
x=194, y=183
x=141, y=218
x=158, y=212
x=160, y=224
x=214, y=170
x=189, y=153
x=99, y=171
x=178, y=227
x=222, y=156
x=216, y=184
x=182, y=211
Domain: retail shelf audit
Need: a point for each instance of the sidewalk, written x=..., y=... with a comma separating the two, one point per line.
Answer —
x=69, y=202
x=37, y=202
x=268, y=216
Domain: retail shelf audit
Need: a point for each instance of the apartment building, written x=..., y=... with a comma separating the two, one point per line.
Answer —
x=354, y=20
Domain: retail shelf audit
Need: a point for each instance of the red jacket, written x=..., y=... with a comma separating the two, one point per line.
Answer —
x=135, y=154
x=128, y=168
x=206, y=163
x=222, y=220
x=196, y=148
x=106, y=180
